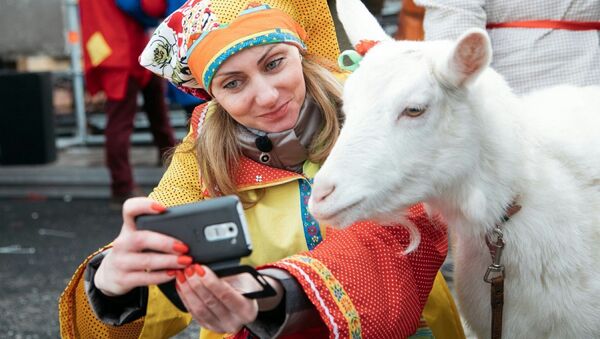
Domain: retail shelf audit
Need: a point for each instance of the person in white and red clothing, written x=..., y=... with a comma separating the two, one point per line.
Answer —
x=536, y=44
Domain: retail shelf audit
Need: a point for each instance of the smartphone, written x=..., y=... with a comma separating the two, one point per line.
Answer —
x=216, y=233
x=215, y=229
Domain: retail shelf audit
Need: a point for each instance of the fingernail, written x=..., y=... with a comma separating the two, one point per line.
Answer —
x=199, y=270
x=180, y=277
x=171, y=273
x=184, y=260
x=180, y=247
x=189, y=271
x=158, y=207
x=177, y=287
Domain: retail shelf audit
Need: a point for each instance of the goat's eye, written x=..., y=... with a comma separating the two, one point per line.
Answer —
x=414, y=111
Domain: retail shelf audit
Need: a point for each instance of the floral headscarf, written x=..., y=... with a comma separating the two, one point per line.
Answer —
x=167, y=52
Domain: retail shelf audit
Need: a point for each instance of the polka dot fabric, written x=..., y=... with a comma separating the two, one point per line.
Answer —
x=313, y=15
x=181, y=182
x=77, y=320
x=386, y=289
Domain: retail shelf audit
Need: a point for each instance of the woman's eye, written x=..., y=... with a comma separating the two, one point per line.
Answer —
x=273, y=64
x=232, y=84
x=414, y=111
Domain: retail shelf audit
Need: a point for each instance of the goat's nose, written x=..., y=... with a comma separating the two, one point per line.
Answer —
x=322, y=190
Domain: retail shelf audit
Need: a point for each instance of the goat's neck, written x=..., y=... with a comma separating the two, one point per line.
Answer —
x=478, y=199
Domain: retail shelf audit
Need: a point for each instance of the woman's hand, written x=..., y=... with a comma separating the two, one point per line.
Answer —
x=128, y=266
x=215, y=303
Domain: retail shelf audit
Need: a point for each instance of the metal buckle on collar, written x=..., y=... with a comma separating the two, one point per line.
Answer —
x=496, y=246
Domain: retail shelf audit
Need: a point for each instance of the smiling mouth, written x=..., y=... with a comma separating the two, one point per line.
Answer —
x=280, y=110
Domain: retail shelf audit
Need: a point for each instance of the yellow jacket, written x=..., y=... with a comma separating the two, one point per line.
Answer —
x=279, y=227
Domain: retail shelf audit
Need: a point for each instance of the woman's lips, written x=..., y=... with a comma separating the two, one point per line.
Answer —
x=278, y=113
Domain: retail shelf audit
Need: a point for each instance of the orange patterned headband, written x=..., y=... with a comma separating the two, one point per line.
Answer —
x=254, y=26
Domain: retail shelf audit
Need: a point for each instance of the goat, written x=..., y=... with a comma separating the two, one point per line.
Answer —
x=431, y=121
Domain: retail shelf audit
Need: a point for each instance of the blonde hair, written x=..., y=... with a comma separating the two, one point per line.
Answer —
x=217, y=149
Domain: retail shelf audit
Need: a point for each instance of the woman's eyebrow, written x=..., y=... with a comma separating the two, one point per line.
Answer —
x=265, y=54
x=222, y=74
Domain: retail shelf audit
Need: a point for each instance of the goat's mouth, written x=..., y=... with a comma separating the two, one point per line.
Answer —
x=336, y=215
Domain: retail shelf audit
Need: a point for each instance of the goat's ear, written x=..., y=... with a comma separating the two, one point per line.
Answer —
x=358, y=22
x=470, y=55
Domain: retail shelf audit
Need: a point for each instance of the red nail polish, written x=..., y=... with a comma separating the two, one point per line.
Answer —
x=180, y=277
x=171, y=273
x=180, y=247
x=199, y=270
x=177, y=287
x=184, y=260
x=158, y=207
x=189, y=271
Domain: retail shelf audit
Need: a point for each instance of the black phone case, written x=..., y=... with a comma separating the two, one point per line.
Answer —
x=191, y=224
x=216, y=233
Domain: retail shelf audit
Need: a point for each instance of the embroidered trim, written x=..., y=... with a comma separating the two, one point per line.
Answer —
x=339, y=295
x=254, y=7
x=312, y=231
x=262, y=38
x=334, y=325
x=197, y=121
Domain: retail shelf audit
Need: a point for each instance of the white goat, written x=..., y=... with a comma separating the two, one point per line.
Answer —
x=430, y=121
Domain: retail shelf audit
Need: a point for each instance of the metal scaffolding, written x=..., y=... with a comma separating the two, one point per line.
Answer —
x=73, y=38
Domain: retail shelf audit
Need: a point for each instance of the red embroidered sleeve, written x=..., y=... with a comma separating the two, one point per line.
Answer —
x=361, y=282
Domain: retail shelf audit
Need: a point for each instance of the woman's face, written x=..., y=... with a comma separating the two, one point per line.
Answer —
x=262, y=87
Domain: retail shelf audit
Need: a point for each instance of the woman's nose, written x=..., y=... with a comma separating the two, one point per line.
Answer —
x=266, y=94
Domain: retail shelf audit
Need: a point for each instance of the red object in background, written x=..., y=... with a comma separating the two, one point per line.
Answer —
x=410, y=22
x=103, y=21
x=35, y=196
x=154, y=8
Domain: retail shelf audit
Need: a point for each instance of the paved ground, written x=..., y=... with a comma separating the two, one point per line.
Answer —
x=42, y=244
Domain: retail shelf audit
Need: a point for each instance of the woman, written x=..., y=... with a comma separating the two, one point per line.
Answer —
x=274, y=118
